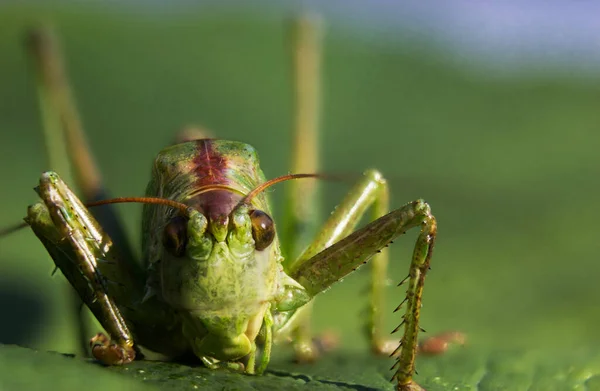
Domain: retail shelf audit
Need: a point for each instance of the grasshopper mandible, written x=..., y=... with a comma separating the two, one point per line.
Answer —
x=213, y=279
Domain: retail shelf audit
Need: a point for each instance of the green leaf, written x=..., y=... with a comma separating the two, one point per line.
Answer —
x=464, y=368
x=27, y=369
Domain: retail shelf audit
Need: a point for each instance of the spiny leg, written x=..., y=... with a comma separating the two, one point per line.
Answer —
x=85, y=255
x=302, y=206
x=320, y=271
x=405, y=363
x=375, y=323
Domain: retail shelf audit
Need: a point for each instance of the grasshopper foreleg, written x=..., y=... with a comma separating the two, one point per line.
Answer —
x=84, y=254
x=336, y=261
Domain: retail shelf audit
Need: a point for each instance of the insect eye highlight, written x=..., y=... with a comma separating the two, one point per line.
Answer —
x=175, y=236
x=263, y=229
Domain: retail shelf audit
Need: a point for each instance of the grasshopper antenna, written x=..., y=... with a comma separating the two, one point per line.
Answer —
x=178, y=205
x=260, y=188
x=12, y=229
x=142, y=200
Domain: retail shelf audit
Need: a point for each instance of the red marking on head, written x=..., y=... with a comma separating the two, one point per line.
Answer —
x=210, y=165
x=211, y=168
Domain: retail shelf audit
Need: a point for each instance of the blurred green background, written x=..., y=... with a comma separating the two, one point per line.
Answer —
x=509, y=163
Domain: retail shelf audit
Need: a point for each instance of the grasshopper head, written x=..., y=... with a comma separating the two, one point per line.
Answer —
x=219, y=269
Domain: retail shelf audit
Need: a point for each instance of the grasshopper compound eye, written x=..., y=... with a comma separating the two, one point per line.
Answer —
x=175, y=236
x=263, y=229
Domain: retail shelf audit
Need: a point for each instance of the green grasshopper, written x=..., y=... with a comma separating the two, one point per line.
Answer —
x=213, y=280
